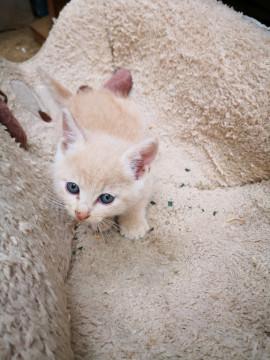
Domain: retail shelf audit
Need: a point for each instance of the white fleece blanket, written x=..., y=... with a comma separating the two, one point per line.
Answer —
x=197, y=287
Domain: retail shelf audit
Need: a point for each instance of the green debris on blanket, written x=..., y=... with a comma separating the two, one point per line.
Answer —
x=170, y=203
x=75, y=250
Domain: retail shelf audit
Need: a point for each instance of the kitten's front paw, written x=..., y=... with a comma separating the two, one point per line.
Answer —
x=134, y=231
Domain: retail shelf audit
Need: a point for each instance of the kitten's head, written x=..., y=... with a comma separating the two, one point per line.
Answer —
x=98, y=176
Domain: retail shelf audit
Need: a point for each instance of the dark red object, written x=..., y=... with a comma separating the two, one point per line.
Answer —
x=11, y=123
x=84, y=88
x=120, y=83
x=44, y=116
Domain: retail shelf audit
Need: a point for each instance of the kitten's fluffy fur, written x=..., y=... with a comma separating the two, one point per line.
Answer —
x=103, y=149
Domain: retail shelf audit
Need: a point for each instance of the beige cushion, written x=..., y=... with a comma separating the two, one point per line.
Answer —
x=196, y=286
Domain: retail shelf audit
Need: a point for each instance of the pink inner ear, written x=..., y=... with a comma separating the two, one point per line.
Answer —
x=139, y=169
x=147, y=155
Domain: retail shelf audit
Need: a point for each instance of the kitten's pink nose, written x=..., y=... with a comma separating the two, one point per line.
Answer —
x=82, y=215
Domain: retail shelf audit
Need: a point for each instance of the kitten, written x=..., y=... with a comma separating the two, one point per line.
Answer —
x=102, y=163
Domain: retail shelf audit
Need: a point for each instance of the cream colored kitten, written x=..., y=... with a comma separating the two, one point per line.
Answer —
x=102, y=164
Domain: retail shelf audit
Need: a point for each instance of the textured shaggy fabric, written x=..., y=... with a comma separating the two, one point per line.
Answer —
x=198, y=285
x=34, y=260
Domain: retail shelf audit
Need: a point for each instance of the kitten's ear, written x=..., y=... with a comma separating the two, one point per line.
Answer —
x=139, y=157
x=71, y=130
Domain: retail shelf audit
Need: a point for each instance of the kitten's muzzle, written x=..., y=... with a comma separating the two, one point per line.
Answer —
x=82, y=215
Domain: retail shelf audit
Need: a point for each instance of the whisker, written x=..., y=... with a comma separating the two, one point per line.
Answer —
x=111, y=223
x=101, y=233
x=50, y=196
x=104, y=235
x=107, y=239
x=108, y=220
x=56, y=204
x=55, y=199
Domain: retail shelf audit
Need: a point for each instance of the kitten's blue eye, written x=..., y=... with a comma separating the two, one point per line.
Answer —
x=72, y=188
x=106, y=198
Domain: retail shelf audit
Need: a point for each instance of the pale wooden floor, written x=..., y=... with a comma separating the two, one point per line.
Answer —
x=18, y=45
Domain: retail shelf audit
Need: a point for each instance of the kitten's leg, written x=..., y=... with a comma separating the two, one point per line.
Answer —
x=133, y=224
